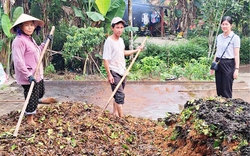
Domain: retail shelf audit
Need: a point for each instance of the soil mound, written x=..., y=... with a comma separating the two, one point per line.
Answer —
x=211, y=127
x=205, y=127
x=76, y=129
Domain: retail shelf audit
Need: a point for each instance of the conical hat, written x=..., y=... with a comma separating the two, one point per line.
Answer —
x=24, y=18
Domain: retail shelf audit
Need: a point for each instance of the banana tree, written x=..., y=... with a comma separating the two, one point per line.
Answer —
x=6, y=24
x=96, y=12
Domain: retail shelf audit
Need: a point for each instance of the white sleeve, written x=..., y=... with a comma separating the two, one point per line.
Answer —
x=107, y=50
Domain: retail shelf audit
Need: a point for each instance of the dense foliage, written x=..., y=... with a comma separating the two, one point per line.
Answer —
x=83, y=44
x=83, y=14
x=244, y=50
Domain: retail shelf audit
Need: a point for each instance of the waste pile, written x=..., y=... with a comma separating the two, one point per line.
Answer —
x=205, y=127
x=214, y=127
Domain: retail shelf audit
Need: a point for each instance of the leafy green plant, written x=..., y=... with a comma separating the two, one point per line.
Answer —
x=185, y=115
x=182, y=53
x=176, y=70
x=130, y=139
x=79, y=78
x=13, y=147
x=217, y=143
x=154, y=50
x=197, y=70
x=244, y=50
x=150, y=65
x=203, y=128
x=201, y=41
x=93, y=12
x=241, y=144
x=84, y=43
x=174, y=135
x=6, y=24
x=49, y=70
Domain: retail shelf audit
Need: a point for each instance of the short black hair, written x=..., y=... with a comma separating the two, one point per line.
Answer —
x=227, y=18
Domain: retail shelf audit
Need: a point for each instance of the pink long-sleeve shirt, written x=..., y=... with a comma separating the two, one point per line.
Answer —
x=26, y=54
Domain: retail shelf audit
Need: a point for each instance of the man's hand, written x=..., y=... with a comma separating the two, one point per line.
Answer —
x=111, y=78
x=140, y=48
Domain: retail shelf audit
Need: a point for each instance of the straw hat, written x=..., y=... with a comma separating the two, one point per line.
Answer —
x=24, y=18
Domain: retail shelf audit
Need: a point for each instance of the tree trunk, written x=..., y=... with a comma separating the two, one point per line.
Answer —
x=130, y=20
x=26, y=8
x=19, y=3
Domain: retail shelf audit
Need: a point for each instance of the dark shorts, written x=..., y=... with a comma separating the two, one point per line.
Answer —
x=119, y=95
x=37, y=93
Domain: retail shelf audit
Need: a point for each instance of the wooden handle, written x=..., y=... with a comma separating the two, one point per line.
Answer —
x=44, y=51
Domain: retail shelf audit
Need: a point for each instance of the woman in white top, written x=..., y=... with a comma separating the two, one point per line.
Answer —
x=228, y=68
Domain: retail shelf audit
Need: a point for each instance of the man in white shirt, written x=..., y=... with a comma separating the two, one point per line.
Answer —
x=114, y=61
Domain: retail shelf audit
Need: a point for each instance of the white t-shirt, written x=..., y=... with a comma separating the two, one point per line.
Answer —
x=114, y=53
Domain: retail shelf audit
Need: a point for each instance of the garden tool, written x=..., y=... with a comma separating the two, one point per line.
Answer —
x=32, y=84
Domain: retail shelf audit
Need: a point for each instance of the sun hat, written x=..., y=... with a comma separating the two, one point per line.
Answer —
x=24, y=18
x=117, y=20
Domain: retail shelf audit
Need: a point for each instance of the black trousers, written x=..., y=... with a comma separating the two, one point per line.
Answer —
x=37, y=93
x=224, y=78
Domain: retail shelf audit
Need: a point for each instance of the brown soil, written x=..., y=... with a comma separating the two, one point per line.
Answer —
x=72, y=127
x=84, y=129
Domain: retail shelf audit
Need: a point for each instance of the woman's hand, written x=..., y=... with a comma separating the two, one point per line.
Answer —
x=236, y=73
x=211, y=72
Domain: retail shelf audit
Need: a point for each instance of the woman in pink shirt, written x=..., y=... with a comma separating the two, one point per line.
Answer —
x=26, y=55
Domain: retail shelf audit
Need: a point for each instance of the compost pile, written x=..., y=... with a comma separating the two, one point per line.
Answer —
x=211, y=127
x=205, y=127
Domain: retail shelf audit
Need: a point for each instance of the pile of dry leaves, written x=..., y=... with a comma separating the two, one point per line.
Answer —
x=204, y=127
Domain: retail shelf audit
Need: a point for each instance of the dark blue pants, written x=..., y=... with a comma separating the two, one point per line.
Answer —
x=224, y=78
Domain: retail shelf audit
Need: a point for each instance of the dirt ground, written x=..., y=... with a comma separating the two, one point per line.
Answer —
x=147, y=99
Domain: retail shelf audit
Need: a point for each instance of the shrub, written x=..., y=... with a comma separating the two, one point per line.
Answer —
x=179, y=54
x=86, y=44
x=148, y=67
x=49, y=70
x=197, y=69
x=201, y=41
x=244, y=51
x=151, y=65
x=154, y=50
